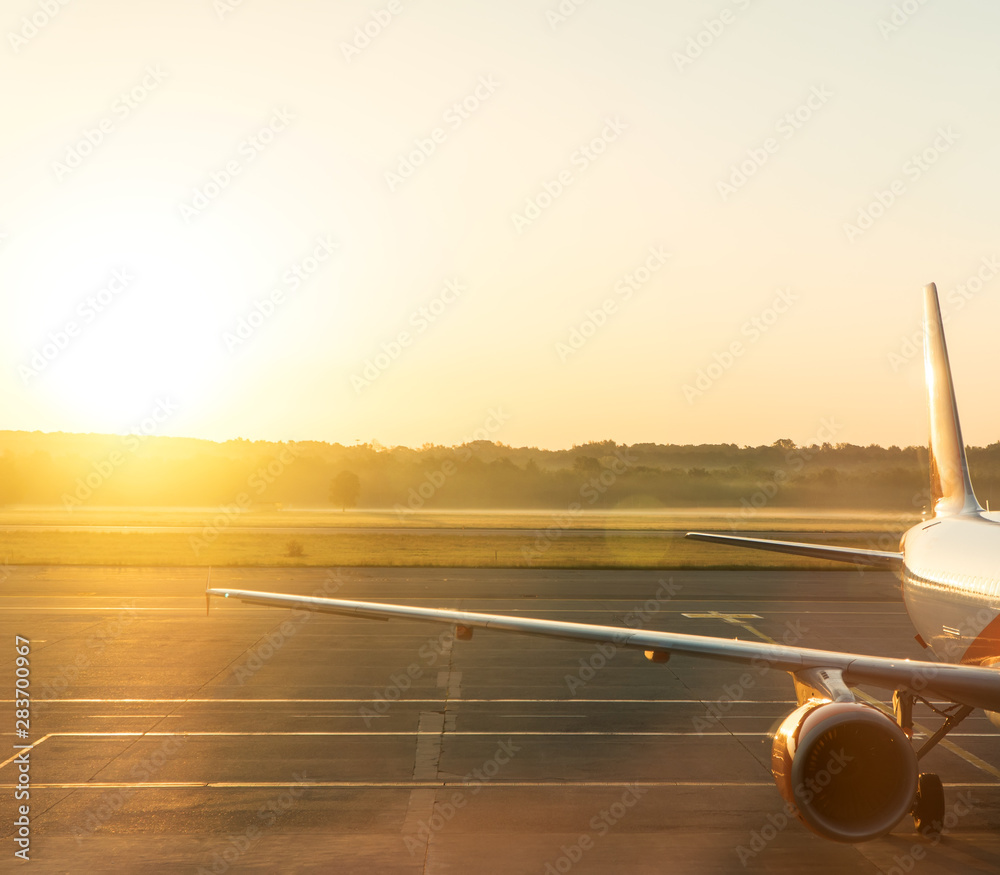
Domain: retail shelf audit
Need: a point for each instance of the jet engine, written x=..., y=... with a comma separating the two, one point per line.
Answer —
x=846, y=768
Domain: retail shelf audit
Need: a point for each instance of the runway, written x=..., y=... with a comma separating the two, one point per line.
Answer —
x=265, y=740
x=422, y=530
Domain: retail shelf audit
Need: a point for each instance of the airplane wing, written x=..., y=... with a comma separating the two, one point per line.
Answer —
x=968, y=685
x=872, y=558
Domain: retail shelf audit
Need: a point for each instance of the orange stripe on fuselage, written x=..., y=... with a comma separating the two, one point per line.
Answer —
x=986, y=647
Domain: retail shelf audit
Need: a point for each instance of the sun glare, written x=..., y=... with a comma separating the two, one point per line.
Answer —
x=132, y=313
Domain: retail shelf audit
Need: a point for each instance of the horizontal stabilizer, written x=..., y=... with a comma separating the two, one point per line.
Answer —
x=871, y=558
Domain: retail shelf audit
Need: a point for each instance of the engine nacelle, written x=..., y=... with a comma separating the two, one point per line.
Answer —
x=848, y=770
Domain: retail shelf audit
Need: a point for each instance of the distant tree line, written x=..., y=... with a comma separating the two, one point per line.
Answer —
x=99, y=470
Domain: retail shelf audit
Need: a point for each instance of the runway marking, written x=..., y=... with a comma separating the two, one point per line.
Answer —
x=728, y=618
x=430, y=733
x=31, y=746
x=417, y=786
x=432, y=702
x=411, y=785
x=740, y=620
x=133, y=716
x=48, y=610
x=366, y=733
x=420, y=701
x=562, y=612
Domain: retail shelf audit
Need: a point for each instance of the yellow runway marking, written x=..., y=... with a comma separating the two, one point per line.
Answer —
x=416, y=701
x=31, y=746
x=405, y=785
x=408, y=733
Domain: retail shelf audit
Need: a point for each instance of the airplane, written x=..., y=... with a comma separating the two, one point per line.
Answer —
x=848, y=769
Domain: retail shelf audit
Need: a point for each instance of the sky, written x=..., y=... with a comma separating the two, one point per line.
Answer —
x=536, y=222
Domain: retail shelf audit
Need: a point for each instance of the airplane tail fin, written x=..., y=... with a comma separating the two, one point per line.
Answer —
x=951, y=488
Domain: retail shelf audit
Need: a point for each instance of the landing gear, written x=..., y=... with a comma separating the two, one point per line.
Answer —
x=928, y=807
x=928, y=810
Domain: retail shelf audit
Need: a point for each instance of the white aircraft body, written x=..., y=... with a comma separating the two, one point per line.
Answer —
x=850, y=770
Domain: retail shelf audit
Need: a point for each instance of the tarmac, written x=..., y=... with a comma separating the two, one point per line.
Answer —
x=267, y=740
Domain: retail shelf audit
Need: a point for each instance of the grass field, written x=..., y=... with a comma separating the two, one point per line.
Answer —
x=509, y=540
x=791, y=519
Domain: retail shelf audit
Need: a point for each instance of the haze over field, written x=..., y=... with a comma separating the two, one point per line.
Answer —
x=638, y=222
x=79, y=473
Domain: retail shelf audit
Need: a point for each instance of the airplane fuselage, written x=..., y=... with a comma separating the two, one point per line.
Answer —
x=951, y=586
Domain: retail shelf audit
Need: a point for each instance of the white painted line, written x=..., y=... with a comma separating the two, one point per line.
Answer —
x=367, y=733
x=419, y=701
x=413, y=785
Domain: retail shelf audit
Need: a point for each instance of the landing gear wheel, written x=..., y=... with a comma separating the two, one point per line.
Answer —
x=928, y=810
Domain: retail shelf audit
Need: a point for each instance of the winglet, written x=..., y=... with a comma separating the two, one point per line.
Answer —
x=951, y=488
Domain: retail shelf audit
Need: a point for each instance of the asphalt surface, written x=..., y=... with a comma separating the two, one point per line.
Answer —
x=261, y=740
x=446, y=531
